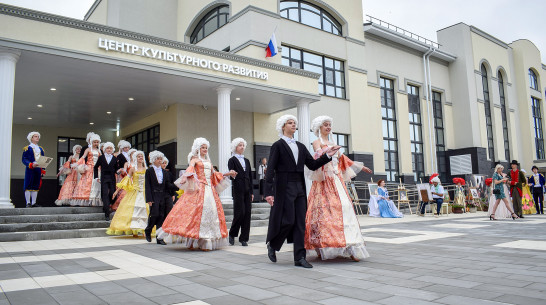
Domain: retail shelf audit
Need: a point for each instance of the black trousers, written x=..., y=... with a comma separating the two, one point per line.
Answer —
x=107, y=189
x=293, y=219
x=538, y=197
x=158, y=213
x=242, y=210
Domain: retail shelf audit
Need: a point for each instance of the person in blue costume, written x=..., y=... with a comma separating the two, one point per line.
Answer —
x=387, y=208
x=33, y=174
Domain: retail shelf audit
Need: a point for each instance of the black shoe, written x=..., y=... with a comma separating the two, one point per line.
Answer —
x=36, y=205
x=303, y=263
x=29, y=205
x=521, y=216
x=148, y=237
x=161, y=242
x=107, y=217
x=231, y=240
x=271, y=254
x=244, y=243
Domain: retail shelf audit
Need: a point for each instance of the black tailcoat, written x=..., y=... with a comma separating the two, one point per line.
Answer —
x=107, y=170
x=281, y=168
x=241, y=190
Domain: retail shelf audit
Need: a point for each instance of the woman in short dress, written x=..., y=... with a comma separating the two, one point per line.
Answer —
x=499, y=181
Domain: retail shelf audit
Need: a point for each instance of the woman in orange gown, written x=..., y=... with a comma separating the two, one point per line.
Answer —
x=331, y=227
x=87, y=191
x=197, y=219
x=72, y=175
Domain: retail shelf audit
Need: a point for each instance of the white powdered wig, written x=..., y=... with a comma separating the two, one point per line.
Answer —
x=122, y=144
x=236, y=143
x=165, y=160
x=282, y=120
x=197, y=143
x=94, y=137
x=154, y=155
x=436, y=179
x=76, y=147
x=132, y=150
x=134, y=162
x=108, y=144
x=318, y=121
x=31, y=134
x=88, y=138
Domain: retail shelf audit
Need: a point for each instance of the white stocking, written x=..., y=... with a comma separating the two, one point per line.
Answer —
x=27, y=196
x=33, y=195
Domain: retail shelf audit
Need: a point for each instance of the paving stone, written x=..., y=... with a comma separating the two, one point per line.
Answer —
x=447, y=281
x=285, y=300
x=229, y=300
x=104, y=288
x=249, y=292
x=257, y=281
x=345, y=301
x=365, y=295
x=126, y=298
x=198, y=291
x=396, y=300
x=30, y=297
x=173, y=299
x=408, y=292
x=77, y=298
x=523, y=300
x=151, y=290
x=457, y=300
x=302, y=292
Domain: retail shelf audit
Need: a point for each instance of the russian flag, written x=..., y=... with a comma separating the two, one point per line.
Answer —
x=271, y=49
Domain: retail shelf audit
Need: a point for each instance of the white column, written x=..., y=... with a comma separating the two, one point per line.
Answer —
x=224, y=136
x=8, y=59
x=304, y=127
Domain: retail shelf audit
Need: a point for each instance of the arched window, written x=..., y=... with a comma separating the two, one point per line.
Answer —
x=212, y=21
x=488, y=120
x=533, y=81
x=504, y=118
x=311, y=15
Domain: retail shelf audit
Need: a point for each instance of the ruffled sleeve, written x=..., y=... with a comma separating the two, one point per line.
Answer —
x=81, y=167
x=349, y=168
x=192, y=181
x=65, y=169
x=316, y=175
x=126, y=184
x=219, y=181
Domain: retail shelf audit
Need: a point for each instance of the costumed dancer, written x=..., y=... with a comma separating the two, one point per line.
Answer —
x=537, y=183
x=500, y=193
x=527, y=202
x=460, y=197
x=331, y=227
x=517, y=178
x=387, y=209
x=122, y=173
x=87, y=191
x=108, y=164
x=72, y=176
x=131, y=218
x=171, y=187
x=33, y=174
x=285, y=190
x=197, y=219
x=241, y=190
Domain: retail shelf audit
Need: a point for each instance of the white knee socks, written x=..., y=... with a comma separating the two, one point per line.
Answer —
x=33, y=195
x=27, y=196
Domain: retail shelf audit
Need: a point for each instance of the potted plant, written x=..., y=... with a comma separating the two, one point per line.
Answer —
x=485, y=205
x=457, y=208
x=473, y=206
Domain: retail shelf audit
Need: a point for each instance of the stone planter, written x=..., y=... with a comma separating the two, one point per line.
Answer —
x=457, y=210
x=472, y=209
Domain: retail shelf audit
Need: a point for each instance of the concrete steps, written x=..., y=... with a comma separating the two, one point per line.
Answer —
x=259, y=218
x=51, y=223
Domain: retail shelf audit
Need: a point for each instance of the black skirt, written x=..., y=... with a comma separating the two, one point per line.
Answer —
x=262, y=186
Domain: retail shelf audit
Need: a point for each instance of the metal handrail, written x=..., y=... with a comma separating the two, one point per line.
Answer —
x=402, y=31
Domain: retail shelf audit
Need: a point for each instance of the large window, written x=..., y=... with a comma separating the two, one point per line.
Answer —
x=439, y=135
x=488, y=120
x=212, y=21
x=504, y=118
x=533, y=80
x=311, y=15
x=416, y=136
x=145, y=140
x=537, y=120
x=332, y=79
x=390, y=137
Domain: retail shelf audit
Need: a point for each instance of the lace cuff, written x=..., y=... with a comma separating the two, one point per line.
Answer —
x=349, y=169
x=191, y=184
x=65, y=169
x=222, y=185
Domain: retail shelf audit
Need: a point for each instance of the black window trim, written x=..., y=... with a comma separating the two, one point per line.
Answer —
x=206, y=18
x=323, y=14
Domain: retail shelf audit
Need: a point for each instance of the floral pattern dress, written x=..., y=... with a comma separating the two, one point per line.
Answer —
x=87, y=191
x=70, y=182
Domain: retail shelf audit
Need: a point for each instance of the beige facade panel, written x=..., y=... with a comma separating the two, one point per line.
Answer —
x=492, y=54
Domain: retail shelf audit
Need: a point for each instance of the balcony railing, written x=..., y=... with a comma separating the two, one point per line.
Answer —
x=396, y=29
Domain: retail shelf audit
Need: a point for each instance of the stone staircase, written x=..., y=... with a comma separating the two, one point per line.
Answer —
x=51, y=223
x=74, y=222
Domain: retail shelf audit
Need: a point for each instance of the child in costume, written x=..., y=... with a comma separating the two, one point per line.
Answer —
x=72, y=176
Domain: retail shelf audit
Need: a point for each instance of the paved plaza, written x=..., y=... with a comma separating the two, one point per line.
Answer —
x=459, y=259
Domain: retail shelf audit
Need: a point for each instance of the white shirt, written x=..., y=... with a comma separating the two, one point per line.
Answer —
x=293, y=146
x=158, y=173
x=108, y=158
x=437, y=189
x=241, y=160
x=261, y=171
x=36, y=150
x=126, y=154
x=537, y=180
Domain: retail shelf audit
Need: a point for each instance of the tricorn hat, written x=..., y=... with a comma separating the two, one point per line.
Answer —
x=514, y=162
x=534, y=166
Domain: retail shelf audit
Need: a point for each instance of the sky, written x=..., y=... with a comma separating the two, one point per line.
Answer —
x=507, y=20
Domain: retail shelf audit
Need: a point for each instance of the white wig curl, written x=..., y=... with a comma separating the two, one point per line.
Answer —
x=88, y=138
x=318, y=121
x=197, y=143
x=154, y=155
x=94, y=137
x=108, y=144
x=134, y=162
x=282, y=120
x=165, y=160
x=122, y=144
x=436, y=179
x=236, y=143
x=76, y=147
x=132, y=150
x=31, y=134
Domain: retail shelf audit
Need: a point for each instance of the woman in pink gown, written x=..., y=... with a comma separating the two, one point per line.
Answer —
x=331, y=227
x=72, y=175
x=87, y=191
x=197, y=219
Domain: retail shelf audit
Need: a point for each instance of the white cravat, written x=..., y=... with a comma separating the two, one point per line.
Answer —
x=126, y=156
x=158, y=173
x=241, y=160
x=36, y=150
x=537, y=180
x=293, y=146
x=108, y=158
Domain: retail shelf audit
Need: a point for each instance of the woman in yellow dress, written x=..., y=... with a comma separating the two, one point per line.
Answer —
x=131, y=217
x=527, y=203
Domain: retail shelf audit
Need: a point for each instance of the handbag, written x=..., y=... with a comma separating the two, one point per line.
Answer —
x=496, y=191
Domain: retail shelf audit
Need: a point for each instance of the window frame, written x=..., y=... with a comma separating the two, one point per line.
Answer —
x=416, y=132
x=439, y=132
x=392, y=165
x=488, y=116
x=504, y=116
x=322, y=14
x=537, y=126
x=194, y=39
x=533, y=80
x=149, y=143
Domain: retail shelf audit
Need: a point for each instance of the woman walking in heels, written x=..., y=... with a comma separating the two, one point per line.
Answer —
x=499, y=179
